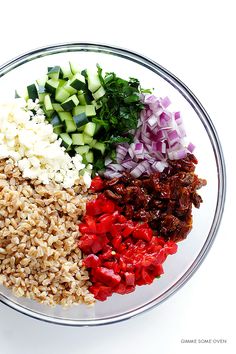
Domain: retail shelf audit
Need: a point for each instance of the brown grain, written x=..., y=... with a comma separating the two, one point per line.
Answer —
x=39, y=257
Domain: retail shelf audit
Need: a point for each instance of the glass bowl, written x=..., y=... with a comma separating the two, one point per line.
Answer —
x=178, y=268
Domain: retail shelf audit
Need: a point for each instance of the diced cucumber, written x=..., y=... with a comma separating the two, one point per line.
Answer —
x=82, y=149
x=47, y=113
x=54, y=72
x=41, y=97
x=66, y=71
x=66, y=140
x=70, y=125
x=100, y=146
x=80, y=129
x=93, y=142
x=84, y=98
x=48, y=103
x=42, y=80
x=87, y=139
x=98, y=125
x=69, y=88
x=90, y=128
x=88, y=109
x=78, y=81
x=51, y=85
x=81, y=119
x=99, y=93
x=41, y=93
x=78, y=110
x=58, y=129
x=62, y=82
x=55, y=121
x=93, y=80
x=88, y=157
x=77, y=139
x=61, y=94
x=70, y=103
x=74, y=67
x=57, y=107
x=65, y=116
x=32, y=92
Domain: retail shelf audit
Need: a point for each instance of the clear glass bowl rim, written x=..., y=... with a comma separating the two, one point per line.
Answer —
x=213, y=136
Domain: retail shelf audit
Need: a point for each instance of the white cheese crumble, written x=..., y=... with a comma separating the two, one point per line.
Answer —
x=29, y=139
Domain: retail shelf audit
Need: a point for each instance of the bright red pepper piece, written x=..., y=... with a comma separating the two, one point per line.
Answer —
x=92, y=261
x=107, y=276
x=96, y=184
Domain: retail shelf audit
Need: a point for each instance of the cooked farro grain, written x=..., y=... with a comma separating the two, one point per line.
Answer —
x=39, y=257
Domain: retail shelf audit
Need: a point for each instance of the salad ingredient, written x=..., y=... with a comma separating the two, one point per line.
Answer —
x=30, y=141
x=163, y=199
x=160, y=136
x=120, y=253
x=39, y=257
x=103, y=107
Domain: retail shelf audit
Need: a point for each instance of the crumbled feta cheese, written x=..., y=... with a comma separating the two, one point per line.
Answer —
x=87, y=179
x=30, y=141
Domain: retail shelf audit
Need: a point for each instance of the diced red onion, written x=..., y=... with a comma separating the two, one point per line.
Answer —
x=112, y=174
x=129, y=165
x=173, y=137
x=177, y=115
x=191, y=147
x=159, y=146
x=107, y=161
x=159, y=166
x=177, y=154
x=116, y=167
x=138, y=147
x=152, y=121
x=181, y=130
x=165, y=102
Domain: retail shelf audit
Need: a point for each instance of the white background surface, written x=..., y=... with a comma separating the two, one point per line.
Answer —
x=196, y=41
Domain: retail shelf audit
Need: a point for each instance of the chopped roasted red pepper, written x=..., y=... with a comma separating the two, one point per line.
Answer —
x=120, y=253
x=96, y=184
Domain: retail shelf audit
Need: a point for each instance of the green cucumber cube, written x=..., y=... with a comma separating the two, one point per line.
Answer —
x=70, y=125
x=32, y=92
x=54, y=72
x=87, y=139
x=90, y=128
x=93, y=80
x=65, y=116
x=78, y=81
x=48, y=103
x=57, y=107
x=61, y=94
x=100, y=146
x=99, y=93
x=70, y=103
x=80, y=120
x=51, y=85
x=82, y=149
x=77, y=139
x=66, y=140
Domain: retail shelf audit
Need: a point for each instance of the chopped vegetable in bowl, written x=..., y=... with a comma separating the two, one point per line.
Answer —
x=97, y=180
